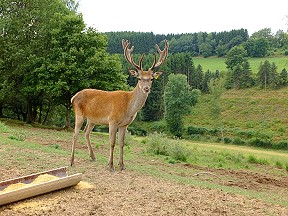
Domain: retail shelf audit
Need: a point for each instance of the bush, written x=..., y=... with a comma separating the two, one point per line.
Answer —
x=279, y=164
x=286, y=52
x=227, y=140
x=255, y=160
x=246, y=133
x=281, y=145
x=137, y=131
x=191, y=130
x=3, y=128
x=263, y=143
x=179, y=153
x=159, y=144
x=159, y=126
x=238, y=141
x=101, y=128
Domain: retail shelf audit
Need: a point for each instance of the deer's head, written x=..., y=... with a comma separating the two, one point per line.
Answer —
x=145, y=77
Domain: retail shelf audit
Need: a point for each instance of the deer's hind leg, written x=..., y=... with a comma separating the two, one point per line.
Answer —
x=78, y=124
x=88, y=128
x=112, y=138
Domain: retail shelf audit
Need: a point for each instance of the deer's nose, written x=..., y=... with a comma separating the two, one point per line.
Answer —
x=146, y=89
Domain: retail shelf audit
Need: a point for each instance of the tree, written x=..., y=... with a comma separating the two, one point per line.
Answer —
x=79, y=60
x=257, y=47
x=206, y=80
x=178, y=99
x=283, y=77
x=25, y=29
x=49, y=55
x=197, y=77
x=274, y=77
x=154, y=107
x=239, y=74
x=236, y=56
x=264, y=74
x=216, y=88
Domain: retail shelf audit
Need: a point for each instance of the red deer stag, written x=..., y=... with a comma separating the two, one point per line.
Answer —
x=117, y=109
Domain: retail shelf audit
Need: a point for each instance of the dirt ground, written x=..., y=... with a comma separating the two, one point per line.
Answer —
x=129, y=193
x=134, y=193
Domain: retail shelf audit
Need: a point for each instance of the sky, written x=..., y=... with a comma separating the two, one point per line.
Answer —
x=184, y=16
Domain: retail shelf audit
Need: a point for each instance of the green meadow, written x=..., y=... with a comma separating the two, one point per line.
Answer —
x=214, y=63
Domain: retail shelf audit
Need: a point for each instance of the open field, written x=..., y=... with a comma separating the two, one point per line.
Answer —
x=151, y=184
x=246, y=112
x=214, y=63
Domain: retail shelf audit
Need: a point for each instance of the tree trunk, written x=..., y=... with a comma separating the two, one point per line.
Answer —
x=1, y=110
x=47, y=114
x=68, y=114
x=30, y=114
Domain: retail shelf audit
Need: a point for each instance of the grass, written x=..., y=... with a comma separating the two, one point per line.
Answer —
x=246, y=113
x=214, y=63
x=216, y=155
x=43, y=149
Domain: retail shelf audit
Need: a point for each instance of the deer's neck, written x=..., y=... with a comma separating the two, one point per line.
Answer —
x=138, y=99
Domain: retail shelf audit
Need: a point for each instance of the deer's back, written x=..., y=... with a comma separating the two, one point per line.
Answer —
x=101, y=107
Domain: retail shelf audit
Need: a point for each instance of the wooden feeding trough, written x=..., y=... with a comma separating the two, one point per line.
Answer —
x=13, y=190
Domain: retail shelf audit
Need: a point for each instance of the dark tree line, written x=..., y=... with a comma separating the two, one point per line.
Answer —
x=259, y=44
x=201, y=43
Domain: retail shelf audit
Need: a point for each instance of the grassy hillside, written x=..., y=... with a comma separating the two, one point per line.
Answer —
x=215, y=63
x=246, y=113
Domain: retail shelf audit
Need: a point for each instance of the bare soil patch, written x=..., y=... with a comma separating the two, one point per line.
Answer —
x=130, y=193
x=136, y=193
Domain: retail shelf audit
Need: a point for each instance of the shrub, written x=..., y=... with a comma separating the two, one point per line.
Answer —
x=101, y=128
x=159, y=144
x=227, y=140
x=246, y=133
x=195, y=130
x=3, y=128
x=263, y=143
x=179, y=153
x=279, y=164
x=159, y=126
x=238, y=141
x=137, y=131
x=255, y=160
x=281, y=145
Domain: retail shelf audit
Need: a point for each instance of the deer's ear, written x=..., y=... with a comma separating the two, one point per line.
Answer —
x=134, y=73
x=156, y=75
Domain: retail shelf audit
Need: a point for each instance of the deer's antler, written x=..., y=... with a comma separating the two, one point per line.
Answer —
x=163, y=56
x=128, y=56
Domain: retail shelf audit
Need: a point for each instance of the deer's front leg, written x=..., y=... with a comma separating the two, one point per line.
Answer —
x=112, y=138
x=121, y=138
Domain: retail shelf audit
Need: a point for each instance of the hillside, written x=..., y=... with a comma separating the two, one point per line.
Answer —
x=247, y=113
x=214, y=63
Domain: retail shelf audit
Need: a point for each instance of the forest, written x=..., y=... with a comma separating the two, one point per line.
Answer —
x=47, y=54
